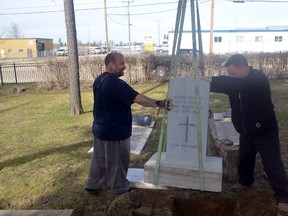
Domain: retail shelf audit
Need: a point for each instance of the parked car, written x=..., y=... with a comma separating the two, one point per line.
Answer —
x=114, y=50
x=95, y=50
x=103, y=50
x=62, y=51
x=98, y=50
x=162, y=49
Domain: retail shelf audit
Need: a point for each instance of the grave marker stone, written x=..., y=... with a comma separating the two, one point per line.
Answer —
x=226, y=141
x=179, y=164
x=140, y=134
x=182, y=129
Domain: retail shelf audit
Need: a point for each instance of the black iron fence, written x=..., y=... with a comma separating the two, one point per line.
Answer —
x=40, y=72
x=21, y=72
x=139, y=68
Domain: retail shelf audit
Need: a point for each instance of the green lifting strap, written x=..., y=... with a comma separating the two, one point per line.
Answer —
x=197, y=93
x=197, y=64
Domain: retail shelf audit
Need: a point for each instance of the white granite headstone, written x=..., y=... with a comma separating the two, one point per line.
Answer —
x=182, y=143
x=179, y=165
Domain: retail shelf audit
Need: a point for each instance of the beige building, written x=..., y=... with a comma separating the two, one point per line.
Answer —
x=25, y=47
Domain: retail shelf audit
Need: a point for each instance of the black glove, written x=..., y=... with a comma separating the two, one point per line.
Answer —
x=166, y=103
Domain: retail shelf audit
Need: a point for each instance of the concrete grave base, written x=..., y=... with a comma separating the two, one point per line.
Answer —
x=183, y=174
x=136, y=179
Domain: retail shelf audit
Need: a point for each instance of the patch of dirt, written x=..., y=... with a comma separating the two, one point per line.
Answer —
x=259, y=200
x=184, y=202
x=224, y=207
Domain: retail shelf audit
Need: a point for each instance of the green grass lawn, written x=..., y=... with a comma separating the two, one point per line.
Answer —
x=43, y=158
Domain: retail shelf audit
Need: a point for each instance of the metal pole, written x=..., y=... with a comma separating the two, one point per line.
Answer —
x=193, y=25
x=88, y=39
x=211, y=27
x=14, y=66
x=129, y=25
x=106, y=26
x=178, y=35
x=1, y=75
x=129, y=31
x=159, y=31
x=201, y=54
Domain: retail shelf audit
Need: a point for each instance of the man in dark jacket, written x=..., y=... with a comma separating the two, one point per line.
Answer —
x=112, y=127
x=254, y=119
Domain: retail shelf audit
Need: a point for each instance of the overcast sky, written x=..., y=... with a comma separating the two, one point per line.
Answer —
x=45, y=18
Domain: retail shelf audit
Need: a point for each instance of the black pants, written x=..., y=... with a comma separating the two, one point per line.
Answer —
x=269, y=149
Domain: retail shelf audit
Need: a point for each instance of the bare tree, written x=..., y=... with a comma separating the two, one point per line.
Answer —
x=60, y=42
x=14, y=31
x=73, y=62
x=2, y=32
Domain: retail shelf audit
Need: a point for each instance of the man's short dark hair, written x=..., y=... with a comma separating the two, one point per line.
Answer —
x=111, y=57
x=237, y=60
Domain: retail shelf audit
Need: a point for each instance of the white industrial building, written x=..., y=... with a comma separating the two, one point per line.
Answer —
x=269, y=39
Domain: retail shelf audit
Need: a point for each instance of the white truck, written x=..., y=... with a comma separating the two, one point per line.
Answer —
x=164, y=47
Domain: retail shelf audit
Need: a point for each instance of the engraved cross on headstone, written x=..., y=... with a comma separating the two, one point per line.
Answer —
x=187, y=126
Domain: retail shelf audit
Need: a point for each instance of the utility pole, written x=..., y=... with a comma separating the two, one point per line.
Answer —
x=211, y=27
x=129, y=24
x=158, y=31
x=106, y=26
x=129, y=31
x=88, y=39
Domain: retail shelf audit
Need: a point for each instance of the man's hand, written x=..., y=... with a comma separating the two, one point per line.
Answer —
x=166, y=104
x=205, y=78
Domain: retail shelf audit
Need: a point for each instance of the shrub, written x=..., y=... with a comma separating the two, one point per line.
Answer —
x=149, y=67
x=91, y=67
x=56, y=75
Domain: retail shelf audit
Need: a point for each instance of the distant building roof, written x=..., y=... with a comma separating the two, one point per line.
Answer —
x=277, y=27
x=266, y=29
x=25, y=38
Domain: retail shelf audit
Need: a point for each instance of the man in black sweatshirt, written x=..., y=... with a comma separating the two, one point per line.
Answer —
x=254, y=119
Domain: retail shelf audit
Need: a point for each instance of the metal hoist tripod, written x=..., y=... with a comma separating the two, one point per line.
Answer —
x=198, y=68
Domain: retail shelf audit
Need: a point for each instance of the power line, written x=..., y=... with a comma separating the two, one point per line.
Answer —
x=85, y=9
x=143, y=30
x=101, y=8
x=155, y=12
x=45, y=6
x=115, y=21
x=258, y=1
